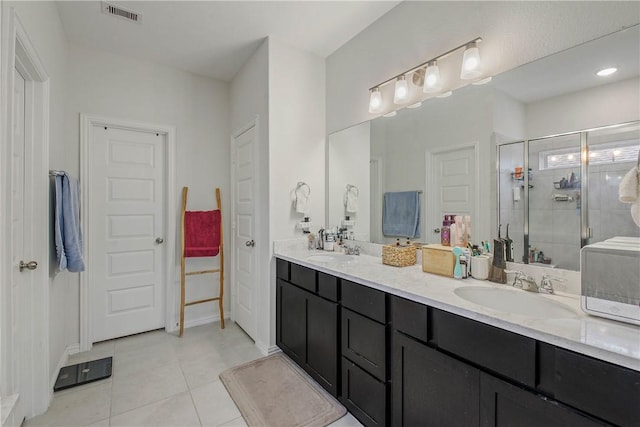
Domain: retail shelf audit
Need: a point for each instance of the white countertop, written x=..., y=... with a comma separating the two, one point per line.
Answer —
x=604, y=339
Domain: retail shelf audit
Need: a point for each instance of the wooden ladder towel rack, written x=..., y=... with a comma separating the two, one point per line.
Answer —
x=183, y=256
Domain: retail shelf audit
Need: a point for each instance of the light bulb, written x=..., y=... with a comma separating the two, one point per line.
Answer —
x=471, y=62
x=375, y=102
x=606, y=71
x=432, y=81
x=401, y=94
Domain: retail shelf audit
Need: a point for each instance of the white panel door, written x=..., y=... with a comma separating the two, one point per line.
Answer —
x=126, y=248
x=21, y=282
x=454, y=186
x=244, y=262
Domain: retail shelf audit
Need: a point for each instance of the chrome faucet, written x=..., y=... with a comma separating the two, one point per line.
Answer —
x=525, y=282
x=349, y=250
x=546, y=286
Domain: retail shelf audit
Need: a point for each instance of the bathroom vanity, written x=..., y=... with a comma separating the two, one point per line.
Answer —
x=401, y=347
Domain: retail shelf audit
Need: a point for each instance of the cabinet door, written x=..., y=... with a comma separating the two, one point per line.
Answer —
x=322, y=342
x=292, y=321
x=505, y=405
x=363, y=395
x=430, y=388
x=364, y=342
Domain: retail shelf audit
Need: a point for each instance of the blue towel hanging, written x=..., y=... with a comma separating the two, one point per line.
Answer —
x=68, y=234
x=401, y=214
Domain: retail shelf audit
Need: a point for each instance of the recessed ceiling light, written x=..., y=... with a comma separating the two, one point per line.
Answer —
x=390, y=114
x=606, y=71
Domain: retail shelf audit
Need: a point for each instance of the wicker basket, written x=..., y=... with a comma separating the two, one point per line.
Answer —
x=399, y=256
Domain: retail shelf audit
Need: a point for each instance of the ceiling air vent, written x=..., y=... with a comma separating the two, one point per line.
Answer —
x=121, y=12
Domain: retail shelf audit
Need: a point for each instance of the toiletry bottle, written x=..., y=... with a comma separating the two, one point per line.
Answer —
x=458, y=238
x=445, y=235
x=467, y=229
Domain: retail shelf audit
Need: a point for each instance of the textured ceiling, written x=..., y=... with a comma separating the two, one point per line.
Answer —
x=215, y=38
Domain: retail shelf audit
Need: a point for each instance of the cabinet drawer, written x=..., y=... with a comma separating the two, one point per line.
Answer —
x=328, y=286
x=364, y=342
x=364, y=396
x=505, y=405
x=605, y=390
x=409, y=317
x=303, y=277
x=503, y=352
x=366, y=301
x=282, y=269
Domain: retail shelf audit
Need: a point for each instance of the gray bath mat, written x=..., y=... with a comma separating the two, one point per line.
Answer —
x=274, y=391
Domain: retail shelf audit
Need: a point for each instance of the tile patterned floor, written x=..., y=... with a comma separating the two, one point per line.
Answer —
x=160, y=380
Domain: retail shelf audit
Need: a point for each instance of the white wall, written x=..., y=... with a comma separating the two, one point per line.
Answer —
x=600, y=106
x=44, y=28
x=348, y=163
x=514, y=33
x=284, y=87
x=250, y=100
x=296, y=146
x=110, y=85
x=296, y=135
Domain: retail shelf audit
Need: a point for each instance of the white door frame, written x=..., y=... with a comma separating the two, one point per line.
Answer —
x=429, y=200
x=256, y=218
x=19, y=52
x=87, y=122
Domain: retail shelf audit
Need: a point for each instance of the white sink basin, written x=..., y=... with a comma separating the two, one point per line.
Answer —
x=327, y=258
x=515, y=301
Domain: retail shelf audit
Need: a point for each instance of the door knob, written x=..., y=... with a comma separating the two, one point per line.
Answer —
x=436, y=230
x=31, y=265
x=159, y=240
x=250, y=243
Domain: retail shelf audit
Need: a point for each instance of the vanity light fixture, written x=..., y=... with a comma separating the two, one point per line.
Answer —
x=430, y=72
x=375, y=101
x=432, y=81
x=606, y=71
x=401, y=94
x=416, y=105
x=471, y=67
x=482, y=81
x=390, y=114
x=445, y=94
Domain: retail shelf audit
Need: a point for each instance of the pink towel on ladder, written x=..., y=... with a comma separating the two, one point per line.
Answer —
x=201, y=233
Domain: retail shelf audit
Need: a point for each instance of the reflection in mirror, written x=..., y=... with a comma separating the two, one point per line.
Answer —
x=554, y=202
x=572, y=199
x=555, y=95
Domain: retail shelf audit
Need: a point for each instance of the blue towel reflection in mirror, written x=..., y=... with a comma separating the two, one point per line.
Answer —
x=401, y=214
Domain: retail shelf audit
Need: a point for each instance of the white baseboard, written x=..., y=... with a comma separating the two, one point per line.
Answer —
x=201, y=321
x=68, y=351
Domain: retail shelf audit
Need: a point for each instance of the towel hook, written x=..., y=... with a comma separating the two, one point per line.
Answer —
x=302, y=184
x=353, y=187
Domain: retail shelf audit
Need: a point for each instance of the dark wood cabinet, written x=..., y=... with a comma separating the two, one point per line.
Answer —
x=364, y=395
x=430, y=388
x=307, y=331
x=429, y=367
x=322, y=342
x=291, y=332
x=506, y=405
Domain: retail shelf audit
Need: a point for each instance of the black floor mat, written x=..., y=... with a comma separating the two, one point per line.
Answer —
x=83, y=373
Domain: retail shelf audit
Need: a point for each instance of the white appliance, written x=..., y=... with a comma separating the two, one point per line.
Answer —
x=610, y=278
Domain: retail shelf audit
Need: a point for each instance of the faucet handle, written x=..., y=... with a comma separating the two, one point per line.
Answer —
x=546, y=284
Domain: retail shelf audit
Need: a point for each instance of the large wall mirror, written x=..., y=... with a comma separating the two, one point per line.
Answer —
x=448, y=150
